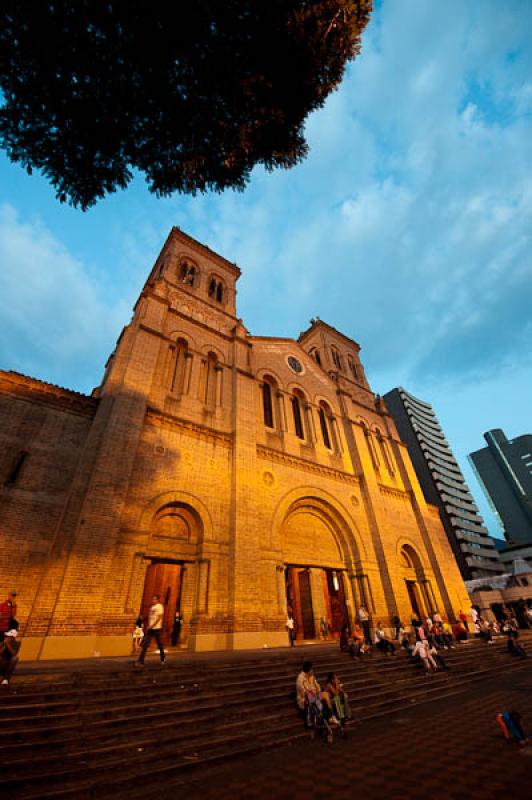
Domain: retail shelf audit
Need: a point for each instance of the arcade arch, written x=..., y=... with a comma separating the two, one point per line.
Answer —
x=174, y=526
x=418, y=586
x=318, y=551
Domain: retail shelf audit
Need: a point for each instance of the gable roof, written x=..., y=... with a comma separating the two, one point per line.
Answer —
x=319, y=323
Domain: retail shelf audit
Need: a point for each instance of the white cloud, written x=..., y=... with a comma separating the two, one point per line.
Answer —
x=55, y=325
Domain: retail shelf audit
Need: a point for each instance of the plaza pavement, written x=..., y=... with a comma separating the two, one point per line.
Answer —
x=453, y=750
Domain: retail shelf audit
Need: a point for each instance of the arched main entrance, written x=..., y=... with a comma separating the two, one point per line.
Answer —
x=315, y=569
x=175, y=532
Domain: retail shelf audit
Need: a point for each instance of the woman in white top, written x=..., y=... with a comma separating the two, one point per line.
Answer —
x=422, y=650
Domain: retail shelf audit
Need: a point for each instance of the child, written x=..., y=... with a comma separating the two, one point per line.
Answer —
x=138, y=635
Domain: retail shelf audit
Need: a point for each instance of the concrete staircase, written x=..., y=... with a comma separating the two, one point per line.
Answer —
x=89, y=732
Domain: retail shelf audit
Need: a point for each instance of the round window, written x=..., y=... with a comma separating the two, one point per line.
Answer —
x=294, y=364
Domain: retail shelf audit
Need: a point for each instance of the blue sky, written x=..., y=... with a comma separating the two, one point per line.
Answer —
x=409, y=228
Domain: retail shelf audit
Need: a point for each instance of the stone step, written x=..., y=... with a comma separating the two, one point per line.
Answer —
x=99, y=731
x=125, y=777
x=168, y=743
x=18, y=717
x=167, y=695
x=27, y=686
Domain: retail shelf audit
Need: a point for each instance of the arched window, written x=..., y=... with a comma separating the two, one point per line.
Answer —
x=322, y=414
x=179, y=368
x=386, y=455
x=336, y=358
x=216, y=289
x=371, y=446
x=267, y=405
x=188, y=273
x=352, y=367
x=211, y=380
x=298, y=421
x=316, y=356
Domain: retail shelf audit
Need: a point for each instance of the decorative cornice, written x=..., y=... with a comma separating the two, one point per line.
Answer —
x=389, y=490
x=34, y=390
x=268, y=454
x=160, y=419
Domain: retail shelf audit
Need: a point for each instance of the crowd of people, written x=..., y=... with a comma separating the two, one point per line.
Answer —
x=424, y=641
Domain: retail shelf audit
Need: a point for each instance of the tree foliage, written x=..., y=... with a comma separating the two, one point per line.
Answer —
x=193, y=94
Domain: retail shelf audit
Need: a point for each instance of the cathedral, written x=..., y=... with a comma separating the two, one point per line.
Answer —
x=238, y=477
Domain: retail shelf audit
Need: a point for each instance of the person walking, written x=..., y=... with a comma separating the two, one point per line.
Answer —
x=176, y=628
x=155, y=625
x=363, y=618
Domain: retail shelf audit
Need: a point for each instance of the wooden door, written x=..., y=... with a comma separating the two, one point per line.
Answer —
x=163, y=579
x=411, y=588
x=307, y=612
x=335, y=601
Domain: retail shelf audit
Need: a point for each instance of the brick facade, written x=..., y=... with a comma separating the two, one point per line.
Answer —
x=179, y=457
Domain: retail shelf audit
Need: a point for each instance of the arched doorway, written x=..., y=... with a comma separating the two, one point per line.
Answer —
x=315, y=567
x=412, y=574
x=175, y=532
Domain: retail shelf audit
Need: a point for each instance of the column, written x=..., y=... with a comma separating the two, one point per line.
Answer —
x=281, y=411
x=281, y=588
x=188, y=372
x=202, y=601
x=309, y=424
x=318, y=600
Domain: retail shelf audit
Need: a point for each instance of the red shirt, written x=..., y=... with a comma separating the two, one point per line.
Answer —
x=8, y=609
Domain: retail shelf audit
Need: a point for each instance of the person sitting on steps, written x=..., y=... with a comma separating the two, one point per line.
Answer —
x=382, y=643
x=314, y=706
x=338, y=696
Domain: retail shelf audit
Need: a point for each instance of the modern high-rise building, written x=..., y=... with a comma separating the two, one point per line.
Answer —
x=443, y=484
x=504, y=470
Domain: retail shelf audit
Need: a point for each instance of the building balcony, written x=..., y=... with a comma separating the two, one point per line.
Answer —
x=458, y=522
x=455, y=498
x=461, y=514
x=484, y=564
x=447, y=474
x=476, y=538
